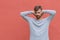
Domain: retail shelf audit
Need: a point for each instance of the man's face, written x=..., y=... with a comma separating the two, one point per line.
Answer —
x=38, y=13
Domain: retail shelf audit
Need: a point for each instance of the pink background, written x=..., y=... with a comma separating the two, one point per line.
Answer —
x=14, y=27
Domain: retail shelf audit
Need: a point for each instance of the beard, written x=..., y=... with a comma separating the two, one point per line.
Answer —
x=38, y=17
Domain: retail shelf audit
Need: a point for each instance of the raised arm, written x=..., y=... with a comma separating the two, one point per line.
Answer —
x=51, y=12
x=25, y=15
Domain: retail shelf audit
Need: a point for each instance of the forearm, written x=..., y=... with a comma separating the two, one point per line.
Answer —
x=51, y=12
x=26, y=13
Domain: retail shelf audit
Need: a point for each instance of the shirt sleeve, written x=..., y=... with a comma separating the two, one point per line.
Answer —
x=51, y=12
x=25, y=15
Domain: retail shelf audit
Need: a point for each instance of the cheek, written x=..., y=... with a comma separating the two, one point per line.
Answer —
x=40, y=13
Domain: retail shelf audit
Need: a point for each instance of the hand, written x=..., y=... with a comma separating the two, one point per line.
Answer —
x=33, y=12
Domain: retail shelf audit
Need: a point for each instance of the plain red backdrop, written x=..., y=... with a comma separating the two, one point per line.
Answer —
x=14, y=27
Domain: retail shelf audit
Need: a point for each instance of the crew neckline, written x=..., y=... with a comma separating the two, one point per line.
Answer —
x=39, y=19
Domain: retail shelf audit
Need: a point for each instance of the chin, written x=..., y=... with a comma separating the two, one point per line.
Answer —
x=38, y=17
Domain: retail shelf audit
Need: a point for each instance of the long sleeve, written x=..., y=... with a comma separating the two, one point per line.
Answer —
x=51, y=12
x=25, y=15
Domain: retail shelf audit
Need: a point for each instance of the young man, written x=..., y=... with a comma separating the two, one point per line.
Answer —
x=38, y=27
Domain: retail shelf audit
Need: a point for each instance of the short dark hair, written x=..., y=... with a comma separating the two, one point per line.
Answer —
x=36, y=8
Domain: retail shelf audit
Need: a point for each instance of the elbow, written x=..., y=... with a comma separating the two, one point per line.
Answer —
x=53, y=12
x=21, y=13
